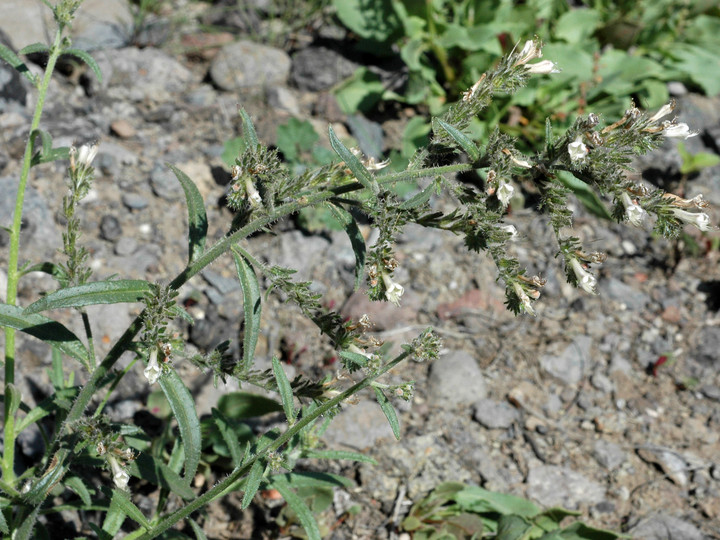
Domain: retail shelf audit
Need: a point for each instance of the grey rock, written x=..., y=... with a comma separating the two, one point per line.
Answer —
x=359, y=426
x=202, y=96
x=369, y=135
x=677, y=89
x=283, y=99
x=125, y=246
x=601, y=382
x=164, y=184
x=711, y=392
x=134, y=201
x=144, y=74
x=39, y=235
x=111, y=156
x=13, y=94
x=552, y=485
x=665, y=527
x=122, y=410
x=245, y=64
x=98, y=23
x=224, y=285
x=608, y=454
x=455, y=379
x=494, y=414
x=622, y=293
x=302, y=252
x=705, y=352
x=319, y=68
x=110, y=228
x=569, y=366
x=31, y=442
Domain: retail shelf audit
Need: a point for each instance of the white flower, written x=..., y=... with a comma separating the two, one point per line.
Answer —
x=673, y=129
x=504, y=192
x=634, y=213
x=87, y=154
x=120, y=475
x=252, y=193
x=153, y=370
x=663, y=112
x=544, y=67
x=393, y=291
x=577, y=149
x=700, y=219
x=525, y=304
x=524, y=163
x=510, y=229
x=530, y=51
x=584, y=278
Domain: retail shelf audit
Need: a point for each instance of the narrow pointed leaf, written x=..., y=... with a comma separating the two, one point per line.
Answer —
x=89, y=60
x=114, y=518
x=229, y=436
x=75, y=484
x=101, y=535
x=251, y=137
x=3, y=524
x=463, y=140
x=358, y=169
x=339, y=454
x=310, y=479
x=54, y=154
x=50, y=268
x=11, y=58
x=585, y=194
x=159, y=474
x=123, y=501
x=43, y=328
x=307, y=520
x=197, y=217
x=356, y=241
x=285, y=390
x=420, y=198
x=252, y=306
x=183, y=407
x=253, y=482
x=355, y=358
x=59, y=400
x=25, y=531
x=98, y=292
x=199, y=533
x=34, y=48
x=389, y=411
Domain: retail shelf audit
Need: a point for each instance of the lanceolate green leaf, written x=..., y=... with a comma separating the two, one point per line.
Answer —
x=310, y=479
x=248, y=129
x=43, y=328
x=114, y=518
x=11, y=58
x=122, y=500
x=307, y=520
x=229, y=435
x=252, y=306
x=585, y=194
x=389, y=411
x=351, y=160
x=183, y=407
x=159, y=474
x=420, y=198
x=79, y=487
x=253, y=482
x=34, y=48
x=199, y=533
x=285, y=390
x=197, y=217
x=339, y=454
x=463, y=140
x=98, y=292
x=89, y=60
x=356, y=240
x=3, y=524
x=25, y=531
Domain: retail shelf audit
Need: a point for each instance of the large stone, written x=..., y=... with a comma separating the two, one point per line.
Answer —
x=665, y=527
x=245, y=64
x=552, y=485
x=358, y=426
x=320, y=68
x=98, y=24
x=571, y=365
x=456, y=380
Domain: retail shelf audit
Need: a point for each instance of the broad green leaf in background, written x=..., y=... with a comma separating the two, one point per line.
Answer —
x=375, y=20
x=295, y=137
x=585, y=194
x=701, y=65
x=577, y=25
x=360, y=92
x=239, y=405
x=156, y=472
x=696, y=162
x=197, y=218
x=97, y=292
x=232, y=149
x=183, y=407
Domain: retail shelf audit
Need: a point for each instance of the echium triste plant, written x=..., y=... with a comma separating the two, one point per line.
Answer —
x=80, y=439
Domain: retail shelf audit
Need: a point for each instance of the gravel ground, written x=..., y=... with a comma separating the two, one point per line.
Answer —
x=570, y=408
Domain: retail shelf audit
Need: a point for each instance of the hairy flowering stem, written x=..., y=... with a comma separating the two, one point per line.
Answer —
x=13, y=276
x=219, y=488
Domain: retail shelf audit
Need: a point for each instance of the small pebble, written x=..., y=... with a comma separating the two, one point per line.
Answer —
x=125, y=246
x=134, y=201
x=122, y=129
x=110, y=228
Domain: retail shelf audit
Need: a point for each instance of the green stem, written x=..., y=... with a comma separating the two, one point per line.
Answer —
x=13, y=275
x=239, y=472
